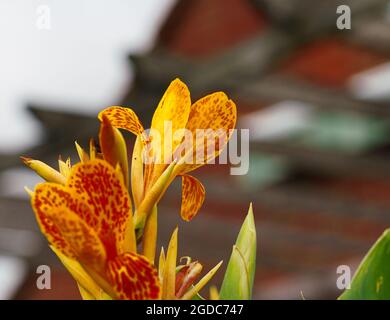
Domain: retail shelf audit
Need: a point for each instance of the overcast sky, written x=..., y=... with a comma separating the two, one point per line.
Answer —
x=79, y=61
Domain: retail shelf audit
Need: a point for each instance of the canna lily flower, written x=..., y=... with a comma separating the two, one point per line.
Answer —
x=171, y=155
x=88, y=222
x=86, y=211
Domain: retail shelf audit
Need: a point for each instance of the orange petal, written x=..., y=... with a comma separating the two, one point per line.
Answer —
x=133, y=277
x=193, y=195
x=216, y=114
x=81, y=238
x=123, y=118
x=97, y=183
x=47, y=199
x=64, y=228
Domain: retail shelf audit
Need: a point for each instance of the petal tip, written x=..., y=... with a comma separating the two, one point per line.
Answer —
x=26, y=160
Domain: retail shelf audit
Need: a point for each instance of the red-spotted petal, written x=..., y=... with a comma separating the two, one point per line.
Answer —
x=49, y=198
x=65, y=229
x=133, y=277
x=123, y=118
x=216, y=115
x=81, y=238
x=193, y=195
x=98, y=184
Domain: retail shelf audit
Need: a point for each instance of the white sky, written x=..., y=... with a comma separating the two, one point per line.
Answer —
x=79, y=62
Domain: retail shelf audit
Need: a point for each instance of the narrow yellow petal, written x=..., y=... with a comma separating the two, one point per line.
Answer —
x=149, y=239
x=102, y=282
x=92, y=149
x=152, y=197
x=137, y=174
x=169, y=277
x=161, y=264
x=214, y=294
x=64, y=167
x=79, y=274
x=119, y=172
x=202, y=282
x=44, y=171
x=85, y=294
x=82, y=154
x=29, y=191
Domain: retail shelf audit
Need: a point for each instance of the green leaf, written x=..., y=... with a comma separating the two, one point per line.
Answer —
x=239, y=276
x=372, y=279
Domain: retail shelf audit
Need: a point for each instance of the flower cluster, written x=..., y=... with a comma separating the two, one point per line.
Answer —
x=104, y=234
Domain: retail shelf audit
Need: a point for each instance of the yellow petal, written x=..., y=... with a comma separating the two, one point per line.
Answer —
x=169, y=119
x=82, y=154
x=85, y=294
x=169, y=277
x=64, y=167
x=161, y=264
x=29, y=191
x=214, y=294
x=92, y=149
x=193, y=195
x=173, y=109
x=43, y=170
x=123, y=118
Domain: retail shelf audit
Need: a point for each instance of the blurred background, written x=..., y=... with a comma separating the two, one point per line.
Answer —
x=315, y=98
